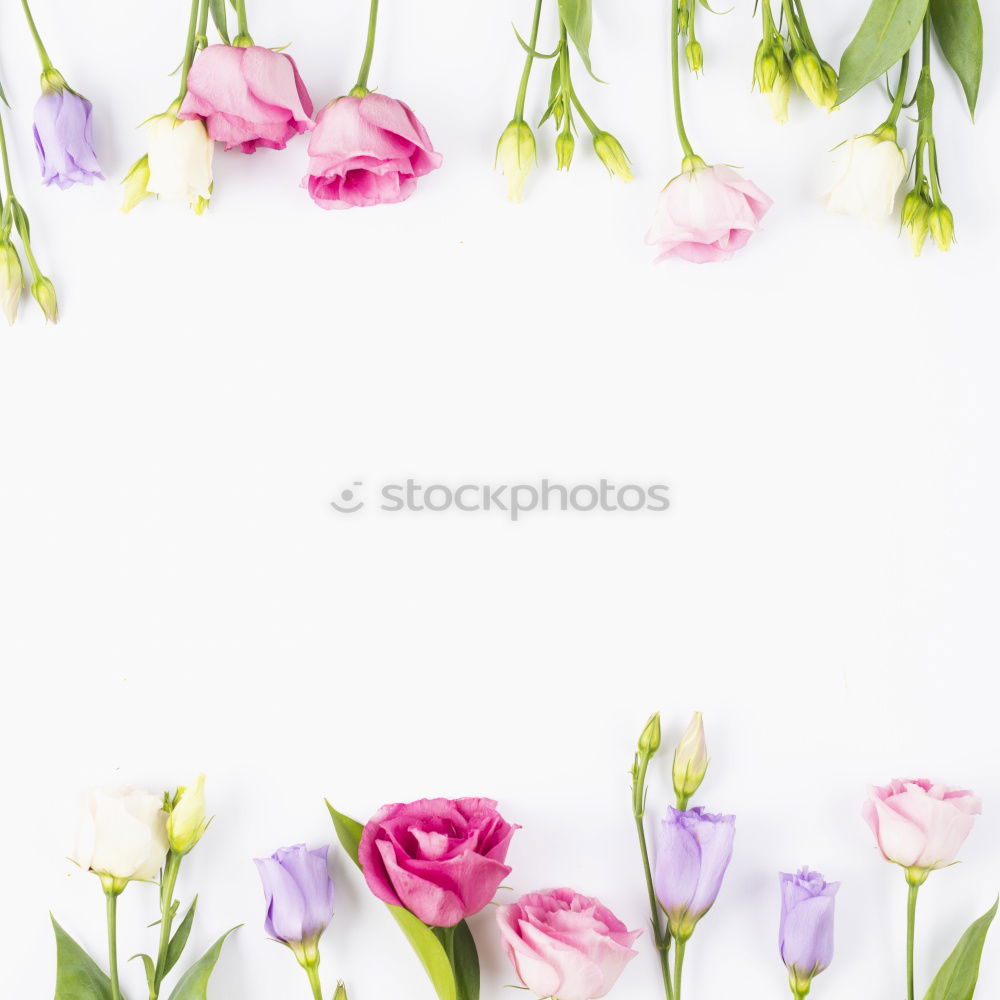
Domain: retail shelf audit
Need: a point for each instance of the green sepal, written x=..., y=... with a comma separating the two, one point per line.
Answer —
x=885, y=36
x=957, y=978
x=578, y=16
x=78, y=977
x=193, y=985
x=958, y=25
x=179, y=939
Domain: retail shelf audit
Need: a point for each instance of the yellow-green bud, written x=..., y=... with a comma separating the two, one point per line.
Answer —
x=186, y=822
x=942, y=226
x=516, y=155
x=11, y=280
x=135, y=182
x=649, y=741
x=683, y=19
x=695, y=56
x=690, y=760
x=831, y=84
x=565, y=144
x=611, y=154
x=765, y=68
x=916, y=219
x=341, y=992
x=53, y=82
x=44, y=293
x=812, y=75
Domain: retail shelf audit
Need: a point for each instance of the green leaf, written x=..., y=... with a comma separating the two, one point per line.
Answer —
x=959, y=28
x=578, y=16
x=466, y=963
x=218, y=9
x=179, y=940
x=193, y=985
x=885, y=36
x=150, y=966
x=348, y=833
x=957, y=978
x=77, y=974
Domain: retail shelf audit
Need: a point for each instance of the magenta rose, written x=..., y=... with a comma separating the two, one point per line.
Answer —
x=247, y=97
x=565, y=945
x=367, y=151
x=441, y=859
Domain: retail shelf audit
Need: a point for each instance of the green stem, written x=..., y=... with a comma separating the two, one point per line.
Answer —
x=312, y=971
x=793, y=30
x=203, y=21
x=803, y=26
x=770, y=30
x=242, y=28
x=660, y=937
x=170, y=870
x=189, y=47
x=42, y=54
x=911, y=926
x=366, y=62
x=679, y=968
x=112, y=907
x=529, y=60
x=6, y=162
x=897, y=104
x=675, y=76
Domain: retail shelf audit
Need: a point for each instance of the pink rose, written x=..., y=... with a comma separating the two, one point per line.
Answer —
x=706, y=214
x=247, y=97
x=565, y=945
x=442, y=860
x=920, y=825
x=367, y=151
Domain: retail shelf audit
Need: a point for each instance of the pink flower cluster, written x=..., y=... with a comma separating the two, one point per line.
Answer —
x=363, y=151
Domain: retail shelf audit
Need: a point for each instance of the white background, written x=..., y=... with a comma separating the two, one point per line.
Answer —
x=177, y=594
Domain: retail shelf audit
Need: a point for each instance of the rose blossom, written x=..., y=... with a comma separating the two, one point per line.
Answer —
x=247, y=97
x=442, y=860
x=706, y=214
x=805, y=935
x=367, y=151
x=871, y=170
x=920, y=825
x=565, y=945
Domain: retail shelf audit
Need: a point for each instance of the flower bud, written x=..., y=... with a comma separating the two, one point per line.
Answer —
x=942, y=226
x=690, y=760
x=11, y=280
x=695, y=56
x=565, y=144
x=341, y=992
x=186, y=822
x=916, y=219
x=779, y=95
x=44, y=293
x=516, y=155
x=831, y=85
x=611, y=154
x=649, y=741
x=135, y=183
x=813, y=76
x=765, y=68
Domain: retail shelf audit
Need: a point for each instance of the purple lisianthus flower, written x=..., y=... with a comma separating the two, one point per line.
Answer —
x=693, y=852
x=63, y=139
x=299, y=894
x=806, y=930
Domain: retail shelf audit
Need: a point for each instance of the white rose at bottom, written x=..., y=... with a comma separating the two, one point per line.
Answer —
x=872, y=169
x=122, y=834
x=180, y=160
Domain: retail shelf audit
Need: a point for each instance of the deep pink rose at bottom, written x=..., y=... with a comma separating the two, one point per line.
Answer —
x=367, y=151
x=441, y=859
x=706, y=214
x=565, y=945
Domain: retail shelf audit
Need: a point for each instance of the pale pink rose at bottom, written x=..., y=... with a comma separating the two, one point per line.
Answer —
x=706, y=214
x=367, y=151
x=565, y=945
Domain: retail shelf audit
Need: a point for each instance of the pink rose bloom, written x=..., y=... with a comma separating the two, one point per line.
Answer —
x=248, y=97
x=565, y=945
x=706, y=214
x=367, y=151
x=442, y=860
x=920, y=825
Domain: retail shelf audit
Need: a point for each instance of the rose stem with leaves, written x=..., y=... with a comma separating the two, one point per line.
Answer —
x=360, y=89
x=529, y=59
x=168, y=882
x=690, y=157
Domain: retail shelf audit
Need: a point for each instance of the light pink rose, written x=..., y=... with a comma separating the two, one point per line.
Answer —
x=442, y=860
x=706, y=214
x=248, y=97
x=565, y=945
x=921, y=825
x=367, y=151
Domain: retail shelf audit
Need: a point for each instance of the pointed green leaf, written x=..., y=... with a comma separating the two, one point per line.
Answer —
x=348, y=833
x=180, y=939
x=218, y=9
x=959, y=28
x=77, y=974
x=150, y=966
x=578, y=16
x=957, y=978
x=466, y=963
x=193, y=985
x=885, y=36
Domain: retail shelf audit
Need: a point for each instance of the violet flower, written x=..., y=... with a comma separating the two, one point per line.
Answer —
x=63, y=138
x=805, y=936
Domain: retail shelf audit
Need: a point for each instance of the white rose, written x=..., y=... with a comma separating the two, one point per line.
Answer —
x=122, y=834
x=873, y=167
x=180, y=160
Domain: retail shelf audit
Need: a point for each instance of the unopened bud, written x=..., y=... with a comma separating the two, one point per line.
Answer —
x=916, y=219
x=135, y=182
x=611, y=154
x=942, y=226
x=186, y=822
x=44, y=293
x=565, y=144
x=516, y=155
x=695, y=56
x=11, y=280
x=649, y=741
x=812, y=75
x=341, y=992
x=690, y=760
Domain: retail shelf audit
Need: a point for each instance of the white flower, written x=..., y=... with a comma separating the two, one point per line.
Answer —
x=691, y=759
x=873, y=168
x=11, y=280
x=778, y=97
x=122, y=835
x=180, y=160
x=516, y=155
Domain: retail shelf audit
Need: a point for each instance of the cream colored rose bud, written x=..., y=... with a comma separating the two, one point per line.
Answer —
x=690, y=760
x=516, y=155
x=11, y=280
x=186, y=822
